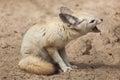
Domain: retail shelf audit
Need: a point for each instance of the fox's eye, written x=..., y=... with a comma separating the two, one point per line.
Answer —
x=92, y=21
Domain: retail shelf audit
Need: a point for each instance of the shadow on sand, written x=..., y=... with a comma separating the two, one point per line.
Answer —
x=94, y=66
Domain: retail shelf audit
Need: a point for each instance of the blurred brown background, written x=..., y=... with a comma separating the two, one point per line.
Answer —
x=101, y=51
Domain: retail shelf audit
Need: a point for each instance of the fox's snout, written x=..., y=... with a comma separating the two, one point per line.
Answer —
x=95, y=29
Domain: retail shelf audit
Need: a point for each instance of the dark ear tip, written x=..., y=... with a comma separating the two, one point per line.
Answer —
x=65, y=10
x=62, y=8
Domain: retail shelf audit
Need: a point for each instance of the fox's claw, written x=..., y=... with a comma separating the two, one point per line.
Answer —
x=67, y=69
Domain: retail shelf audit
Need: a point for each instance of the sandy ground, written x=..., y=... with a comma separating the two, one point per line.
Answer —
x=96, y=55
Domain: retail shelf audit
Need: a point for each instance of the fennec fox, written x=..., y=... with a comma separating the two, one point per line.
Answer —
x=44, y=44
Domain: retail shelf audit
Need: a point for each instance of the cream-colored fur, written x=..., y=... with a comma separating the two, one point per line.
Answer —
x=44, y=44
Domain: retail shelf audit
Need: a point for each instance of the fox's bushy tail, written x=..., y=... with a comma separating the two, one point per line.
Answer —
x=35, y=64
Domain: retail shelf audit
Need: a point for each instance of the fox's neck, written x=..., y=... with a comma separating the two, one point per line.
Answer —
x=70, y=33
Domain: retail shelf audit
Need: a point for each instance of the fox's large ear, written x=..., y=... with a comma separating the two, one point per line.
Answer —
x=65, y=10
x=69, y=19
x=66, y=17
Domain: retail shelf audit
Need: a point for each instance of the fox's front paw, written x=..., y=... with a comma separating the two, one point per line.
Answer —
x=67, y=69
x=74, y=67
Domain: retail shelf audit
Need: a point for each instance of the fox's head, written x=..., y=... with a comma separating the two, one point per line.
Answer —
x=79, y=21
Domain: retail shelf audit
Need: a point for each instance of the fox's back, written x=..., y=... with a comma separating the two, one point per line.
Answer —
x=44, y=35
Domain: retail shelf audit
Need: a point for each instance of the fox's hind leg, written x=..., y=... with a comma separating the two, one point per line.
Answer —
x=44, y=53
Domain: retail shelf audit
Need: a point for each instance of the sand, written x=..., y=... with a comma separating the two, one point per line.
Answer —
x=97, y=55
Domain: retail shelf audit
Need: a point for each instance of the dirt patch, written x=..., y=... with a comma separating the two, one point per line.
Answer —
x=96, y=55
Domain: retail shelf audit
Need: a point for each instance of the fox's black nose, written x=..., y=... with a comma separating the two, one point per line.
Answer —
x=101, y=19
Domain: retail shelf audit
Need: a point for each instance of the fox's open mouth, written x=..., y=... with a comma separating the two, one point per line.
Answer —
x=95, y=29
